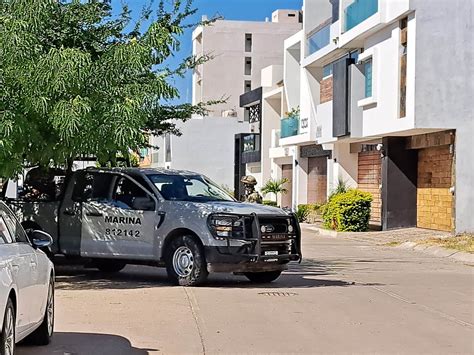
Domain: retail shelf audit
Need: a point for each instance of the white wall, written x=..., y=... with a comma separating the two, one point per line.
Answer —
x=382, y=117
x=207, y=146
x=344, y=166
x=444, y=87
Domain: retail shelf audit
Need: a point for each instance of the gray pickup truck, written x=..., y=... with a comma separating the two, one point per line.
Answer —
x=109, y=218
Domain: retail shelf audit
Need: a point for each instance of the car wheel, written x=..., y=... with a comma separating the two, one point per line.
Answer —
x=185, y=262
x=263, y=277
x=42, y=335
x=8, y=334
x=110, y=266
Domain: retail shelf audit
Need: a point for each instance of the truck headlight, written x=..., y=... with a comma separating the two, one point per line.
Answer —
x=226, y=226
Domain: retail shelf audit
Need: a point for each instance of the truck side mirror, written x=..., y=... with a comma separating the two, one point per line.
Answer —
x=143, y=203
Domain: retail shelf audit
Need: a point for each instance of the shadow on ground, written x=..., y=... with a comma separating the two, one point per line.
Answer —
x=310, y=273
x=84, y=344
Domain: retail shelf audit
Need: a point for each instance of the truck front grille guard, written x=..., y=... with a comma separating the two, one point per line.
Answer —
x=256, y=240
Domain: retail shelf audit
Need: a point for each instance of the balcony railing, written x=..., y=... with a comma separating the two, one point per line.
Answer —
x=289, y=127
x=359, y=11
x=319, y=39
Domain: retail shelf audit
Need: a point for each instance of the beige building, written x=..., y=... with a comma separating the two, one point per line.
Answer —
x=240, y=50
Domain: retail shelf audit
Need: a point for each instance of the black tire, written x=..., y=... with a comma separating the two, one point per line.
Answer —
x=5, y=338
x=189, y=249
x=42, y=335
x=263, y=277
x=110, y=266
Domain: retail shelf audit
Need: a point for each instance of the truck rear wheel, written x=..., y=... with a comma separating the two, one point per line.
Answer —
x=263, y=277
x=185, y=262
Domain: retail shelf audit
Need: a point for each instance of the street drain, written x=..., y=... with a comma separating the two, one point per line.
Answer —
x=278, y=294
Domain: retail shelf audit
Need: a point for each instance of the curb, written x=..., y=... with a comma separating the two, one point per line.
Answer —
x=440, y=252
x=322, y=231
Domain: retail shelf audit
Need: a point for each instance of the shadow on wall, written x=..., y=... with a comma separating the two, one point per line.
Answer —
x=84, y=343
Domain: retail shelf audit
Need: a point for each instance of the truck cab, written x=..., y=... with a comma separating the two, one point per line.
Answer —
x=177, y=219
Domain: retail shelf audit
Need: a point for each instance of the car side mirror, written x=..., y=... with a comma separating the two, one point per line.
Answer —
x=40, y=239
x=143, y=204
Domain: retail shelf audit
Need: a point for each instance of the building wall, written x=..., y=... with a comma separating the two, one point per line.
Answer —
x=445, y=87
x=202, y=150
x=223, y=76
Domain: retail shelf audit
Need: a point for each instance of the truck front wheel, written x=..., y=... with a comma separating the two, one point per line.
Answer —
x=185, y=262
x=263, y=277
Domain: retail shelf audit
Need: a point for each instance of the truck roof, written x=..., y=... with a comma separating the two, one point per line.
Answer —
x=146, y=171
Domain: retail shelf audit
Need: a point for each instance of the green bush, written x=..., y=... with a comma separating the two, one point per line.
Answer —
x=348, y=211
x=270, y=203
x=302, y=212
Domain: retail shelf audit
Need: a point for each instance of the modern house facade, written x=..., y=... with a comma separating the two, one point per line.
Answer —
x=385, y=87
x=239, y=51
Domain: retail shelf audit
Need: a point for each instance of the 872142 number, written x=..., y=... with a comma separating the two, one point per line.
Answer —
x=122, y=232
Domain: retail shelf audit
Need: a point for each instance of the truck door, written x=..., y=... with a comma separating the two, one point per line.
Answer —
x=121, y=223
x=70, y=213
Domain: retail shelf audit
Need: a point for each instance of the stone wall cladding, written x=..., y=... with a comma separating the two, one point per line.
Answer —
x=326, y=90
x=434, y=198
x=370, y=179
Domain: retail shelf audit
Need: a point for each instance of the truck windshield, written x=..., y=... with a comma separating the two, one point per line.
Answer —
x=188, y=188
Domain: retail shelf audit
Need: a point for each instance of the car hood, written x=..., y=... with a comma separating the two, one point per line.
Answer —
x=244, y=208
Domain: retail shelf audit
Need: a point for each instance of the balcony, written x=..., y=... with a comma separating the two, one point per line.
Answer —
x=319, y=39
x=358, y=11
x=289, y=126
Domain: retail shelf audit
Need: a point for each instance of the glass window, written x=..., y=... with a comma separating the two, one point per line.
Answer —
x=92, y=187
x=127, y=193
x=17, y=232
x=194, y=188
x=327, y=70
x=368, y=77
x=5, y=236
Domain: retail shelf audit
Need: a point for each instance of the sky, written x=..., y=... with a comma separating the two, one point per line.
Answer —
x=247, y=10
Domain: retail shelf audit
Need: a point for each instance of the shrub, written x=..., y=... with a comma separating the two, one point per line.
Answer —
x=302, y=212
x=348, y=211
x=270, y=203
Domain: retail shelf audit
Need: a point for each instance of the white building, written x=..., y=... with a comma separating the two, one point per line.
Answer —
x=240, y=50
x=386, y=86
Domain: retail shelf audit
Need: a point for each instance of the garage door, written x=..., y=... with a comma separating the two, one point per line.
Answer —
x=287, y=172
x=317, y=179
x=370, y=180
x=434, y=198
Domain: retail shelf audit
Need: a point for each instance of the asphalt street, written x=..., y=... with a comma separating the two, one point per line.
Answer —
x=345, y=297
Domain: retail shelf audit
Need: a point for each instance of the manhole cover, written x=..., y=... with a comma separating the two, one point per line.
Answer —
x=278, y=294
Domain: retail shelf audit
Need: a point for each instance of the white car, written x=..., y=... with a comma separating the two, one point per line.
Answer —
x=26, y=284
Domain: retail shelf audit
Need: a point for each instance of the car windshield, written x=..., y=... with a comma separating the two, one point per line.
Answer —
x=193, y=188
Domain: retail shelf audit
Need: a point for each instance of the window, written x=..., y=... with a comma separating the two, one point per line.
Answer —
x=327, y=70
x=127, y=193
x=16, y=231
x=5, y=236
x=248, y=66
x=403, y=65
x=247, y=86
x=248, y=42
x=92, y=187
x=167, y=147
x=368, y=77
x=193, y=188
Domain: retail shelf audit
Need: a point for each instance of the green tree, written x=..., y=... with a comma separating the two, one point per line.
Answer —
x=77, y=80
x=275, y=186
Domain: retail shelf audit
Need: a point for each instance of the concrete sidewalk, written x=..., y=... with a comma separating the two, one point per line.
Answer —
x=407, y=238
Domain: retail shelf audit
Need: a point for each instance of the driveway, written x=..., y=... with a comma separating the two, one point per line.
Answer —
x=346, y=296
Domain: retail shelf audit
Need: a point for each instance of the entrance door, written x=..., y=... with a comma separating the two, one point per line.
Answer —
x=317, y=179
x=119, y=221
x=287, y=173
